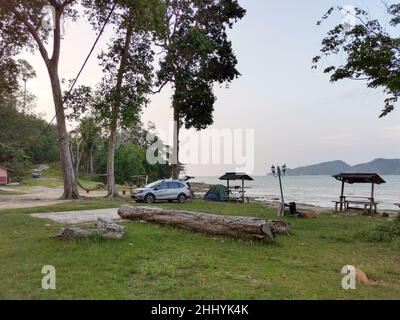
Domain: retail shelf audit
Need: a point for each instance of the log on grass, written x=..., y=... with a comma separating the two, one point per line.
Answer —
x=104, y=228
x=238, y=227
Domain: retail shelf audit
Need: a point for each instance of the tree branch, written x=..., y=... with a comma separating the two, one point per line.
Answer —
x=8, y=7
x=57, y=36
x=161, y=87
x=5, y=146
x=67, y=3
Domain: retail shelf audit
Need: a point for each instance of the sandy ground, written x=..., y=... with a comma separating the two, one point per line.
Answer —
x=80, y=217
x=36, y=197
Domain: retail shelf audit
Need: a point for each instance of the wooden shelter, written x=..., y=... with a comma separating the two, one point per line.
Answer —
x=357, y=178
x=141, y=180
x=233, y=176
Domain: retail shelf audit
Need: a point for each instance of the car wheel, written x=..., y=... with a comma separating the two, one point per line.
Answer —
x=149, y=199
x=182, y=198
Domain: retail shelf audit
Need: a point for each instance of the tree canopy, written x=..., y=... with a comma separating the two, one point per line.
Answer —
x=372, y=53
x=196, y=54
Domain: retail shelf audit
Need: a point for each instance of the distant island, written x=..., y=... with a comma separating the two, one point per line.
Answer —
x=380, y=166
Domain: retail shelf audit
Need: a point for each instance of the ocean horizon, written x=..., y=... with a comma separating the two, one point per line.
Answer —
x=315, y=190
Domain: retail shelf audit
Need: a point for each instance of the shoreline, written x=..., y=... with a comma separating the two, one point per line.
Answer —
x=200, y=189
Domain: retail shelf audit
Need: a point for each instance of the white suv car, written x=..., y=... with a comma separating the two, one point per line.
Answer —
x=169, y=190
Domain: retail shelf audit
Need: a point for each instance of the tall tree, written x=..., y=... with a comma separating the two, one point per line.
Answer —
x=12, y=72
x=90, y=133
x=127, y=69
x=372, y=54
x=21, y=27
x=197, y=54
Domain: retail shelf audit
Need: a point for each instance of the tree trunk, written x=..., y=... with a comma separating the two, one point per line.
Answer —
x=112, y=141
x=175, y=148
x=91, y=166
x=72, y=154
x=112, y=191
x=78, y=157
x=237, y=227
x=70, y=186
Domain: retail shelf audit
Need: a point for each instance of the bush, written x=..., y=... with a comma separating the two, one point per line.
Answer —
x=384, y=232
x=130, y=160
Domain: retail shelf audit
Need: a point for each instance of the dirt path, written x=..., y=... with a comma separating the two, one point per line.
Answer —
x=36, y=197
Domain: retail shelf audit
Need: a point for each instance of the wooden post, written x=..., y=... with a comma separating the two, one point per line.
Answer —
x=243, y=190
x=342, y=197
x=373, y=191
x=372, y=197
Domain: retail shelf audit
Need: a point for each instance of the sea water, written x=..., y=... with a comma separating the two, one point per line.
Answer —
x=315, y=190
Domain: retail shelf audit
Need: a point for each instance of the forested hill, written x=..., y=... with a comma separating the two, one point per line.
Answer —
x=380, y=166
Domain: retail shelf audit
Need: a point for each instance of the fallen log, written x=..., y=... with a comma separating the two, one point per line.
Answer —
x=238, y=227
x=104, y=228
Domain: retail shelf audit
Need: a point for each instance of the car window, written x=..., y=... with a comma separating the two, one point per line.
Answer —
x=181, y=185
x=163, y=186
x=173, y=185
x=152, y=185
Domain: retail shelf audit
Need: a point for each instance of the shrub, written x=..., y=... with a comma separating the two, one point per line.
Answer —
x=384, y=232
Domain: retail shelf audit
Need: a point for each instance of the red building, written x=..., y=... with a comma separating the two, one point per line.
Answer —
x=4, y=175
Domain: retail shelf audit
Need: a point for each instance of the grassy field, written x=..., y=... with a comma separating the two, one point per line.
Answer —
x=11, y=192
x=52, y=178
x=154, y=262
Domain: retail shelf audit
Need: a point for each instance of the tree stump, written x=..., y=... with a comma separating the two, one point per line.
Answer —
x=237, y=227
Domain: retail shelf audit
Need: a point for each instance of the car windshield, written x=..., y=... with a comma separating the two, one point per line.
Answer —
x=153, y=184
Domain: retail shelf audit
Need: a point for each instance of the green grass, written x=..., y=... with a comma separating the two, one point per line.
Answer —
x=42, y=182
x=154, y=262
x=52, y=178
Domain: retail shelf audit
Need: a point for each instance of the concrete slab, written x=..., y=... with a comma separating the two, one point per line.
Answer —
x=79, y=217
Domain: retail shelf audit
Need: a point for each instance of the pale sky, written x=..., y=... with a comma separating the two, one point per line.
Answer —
x=298, y=117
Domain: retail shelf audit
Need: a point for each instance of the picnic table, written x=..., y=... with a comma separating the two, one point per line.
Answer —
x=369, y=204
x=237, y=194
x=347, y=202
